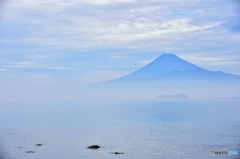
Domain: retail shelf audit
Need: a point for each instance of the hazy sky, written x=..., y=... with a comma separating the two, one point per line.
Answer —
x=68, y=43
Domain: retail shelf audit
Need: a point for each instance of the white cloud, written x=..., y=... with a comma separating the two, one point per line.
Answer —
x=145, y=62
x=76, y=25
x=54, y=6
x=39, y=75
x=39, y=56
x=33, y=64
x=25, y=63
x=127, y=24
x=55, y=68
x=3, y=69
x=225, y=63
x=116, y=56
x=100, y=76
x=204, y=59
x=106, y=2
x=97, y=33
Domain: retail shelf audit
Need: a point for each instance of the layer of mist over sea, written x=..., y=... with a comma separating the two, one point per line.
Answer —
x=141, y=130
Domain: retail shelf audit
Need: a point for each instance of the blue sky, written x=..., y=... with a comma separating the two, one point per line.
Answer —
x=69, y=43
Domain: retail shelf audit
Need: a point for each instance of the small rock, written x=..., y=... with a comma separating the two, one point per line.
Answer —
x=116, y=153
x=19, y=147
x=30, y=151
x=93, y=147
x=39, y=144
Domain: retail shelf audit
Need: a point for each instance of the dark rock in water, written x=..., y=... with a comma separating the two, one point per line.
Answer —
x=19, y=147
x=93, y=147
x=39, y=144
x=116, y=153
x=30, y=151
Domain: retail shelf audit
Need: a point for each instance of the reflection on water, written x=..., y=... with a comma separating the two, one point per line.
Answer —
x=186, y=129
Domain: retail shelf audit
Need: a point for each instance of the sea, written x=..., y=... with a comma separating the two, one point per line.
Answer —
x=192, y=129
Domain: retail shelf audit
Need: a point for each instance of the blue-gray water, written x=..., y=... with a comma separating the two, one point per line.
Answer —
x=142, y=130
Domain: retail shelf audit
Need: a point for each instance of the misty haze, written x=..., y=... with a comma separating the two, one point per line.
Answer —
x=119, y=79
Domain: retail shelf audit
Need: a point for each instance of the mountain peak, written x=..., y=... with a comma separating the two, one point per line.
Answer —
x=163, y=64
x=167, y=56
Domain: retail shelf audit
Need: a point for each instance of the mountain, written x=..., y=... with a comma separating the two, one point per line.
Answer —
x=163, y=64
x=169, y=67
x=169, y=74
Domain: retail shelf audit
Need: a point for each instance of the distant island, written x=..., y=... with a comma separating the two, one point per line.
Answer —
x=174, y=97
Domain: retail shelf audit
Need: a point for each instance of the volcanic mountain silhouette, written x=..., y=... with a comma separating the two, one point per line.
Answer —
x=169, y=73
x=169, y=67
x=163, y=64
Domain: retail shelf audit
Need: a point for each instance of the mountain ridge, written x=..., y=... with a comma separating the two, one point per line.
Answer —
x=170, y=75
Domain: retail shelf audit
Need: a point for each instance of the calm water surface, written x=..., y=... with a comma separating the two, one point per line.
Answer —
x=141, y=130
